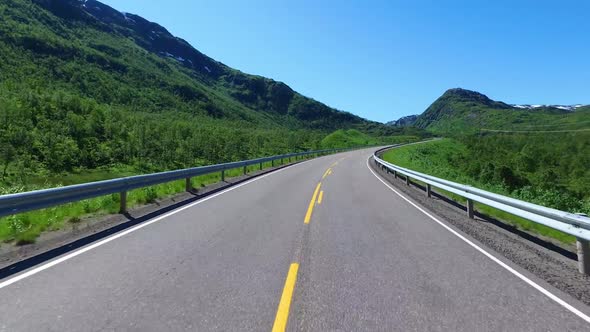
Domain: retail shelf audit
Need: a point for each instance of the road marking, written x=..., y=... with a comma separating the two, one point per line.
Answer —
x=326, y=173
x=337, y=161
x=135, y=228
x=312, y=204
x=321, y=197
x=285, y=303
x=487, y=254
x=330, y=171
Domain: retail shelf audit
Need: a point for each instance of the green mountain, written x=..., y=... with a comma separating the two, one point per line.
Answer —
x=84, y=86
x=75, y=42
x=463, y=111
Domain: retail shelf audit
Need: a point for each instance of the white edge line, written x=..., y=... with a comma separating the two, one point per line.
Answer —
x=133, y=229
x=487, y=254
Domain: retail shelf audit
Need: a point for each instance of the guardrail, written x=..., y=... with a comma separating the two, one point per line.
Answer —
x=569, y=223
x=39, y=199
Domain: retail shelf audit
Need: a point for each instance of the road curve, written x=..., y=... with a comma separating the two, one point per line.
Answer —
x=246, y=260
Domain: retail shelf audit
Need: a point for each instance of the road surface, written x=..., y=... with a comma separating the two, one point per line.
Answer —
x=267, y=254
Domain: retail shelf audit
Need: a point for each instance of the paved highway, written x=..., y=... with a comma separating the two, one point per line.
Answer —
x=322, y=245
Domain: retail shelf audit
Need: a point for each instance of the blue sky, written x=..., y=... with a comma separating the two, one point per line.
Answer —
x=385, y=59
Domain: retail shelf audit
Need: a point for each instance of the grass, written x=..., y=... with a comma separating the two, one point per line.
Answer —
x=347, y=138
x=432, y=158
x=26, y=227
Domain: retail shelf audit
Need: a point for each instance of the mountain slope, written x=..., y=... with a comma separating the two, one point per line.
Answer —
x=464, y=111
x=84, y=87
x=74, y=42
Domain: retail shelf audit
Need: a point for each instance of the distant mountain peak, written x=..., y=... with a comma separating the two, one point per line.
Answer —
x=460, y=94
x=464, y=93
x=460, y=110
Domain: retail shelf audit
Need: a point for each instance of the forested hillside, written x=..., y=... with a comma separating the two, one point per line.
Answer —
x=85, y=88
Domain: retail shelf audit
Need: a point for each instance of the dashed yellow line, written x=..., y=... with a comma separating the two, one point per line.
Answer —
x=283, y=311
x=312, y=203
x=282, y=316
x=336, y=162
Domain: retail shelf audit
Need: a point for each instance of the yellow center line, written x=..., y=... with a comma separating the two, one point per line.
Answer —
x=337, y=161
x=328, y=171
x=283, y=311
x=311, y=204
x=321, y=197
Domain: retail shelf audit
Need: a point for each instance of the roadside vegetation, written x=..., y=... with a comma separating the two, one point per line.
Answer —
x=352, y=137
x=26, y=227
x=55, y=139
x=86, y=98
x=549, y=169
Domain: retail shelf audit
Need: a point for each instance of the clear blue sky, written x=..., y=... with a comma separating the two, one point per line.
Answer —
x=387, y=58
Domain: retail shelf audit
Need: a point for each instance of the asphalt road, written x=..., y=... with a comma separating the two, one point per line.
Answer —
x=245, y=260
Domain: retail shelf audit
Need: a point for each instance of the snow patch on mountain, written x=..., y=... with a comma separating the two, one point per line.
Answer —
x=127, y=18
x=561, y=107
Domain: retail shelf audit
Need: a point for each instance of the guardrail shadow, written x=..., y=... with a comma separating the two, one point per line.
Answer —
x=512, y=229
x=30, y=262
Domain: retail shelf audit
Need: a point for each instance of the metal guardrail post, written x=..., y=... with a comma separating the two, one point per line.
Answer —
x=583, y=250
x=407, y=180
x=222, y=175
x=272, y=163
x=123, y=202
x=395, y=174
x=188, y=185
x=566, y=222
x=261, y=166
x=470, y=210
x=245, y=170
